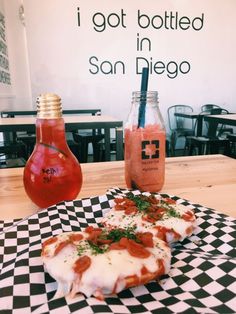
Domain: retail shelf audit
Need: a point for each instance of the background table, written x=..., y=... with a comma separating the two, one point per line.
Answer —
x=13, y=113
x=207, y=180
x=229, y=119
x=74, y=123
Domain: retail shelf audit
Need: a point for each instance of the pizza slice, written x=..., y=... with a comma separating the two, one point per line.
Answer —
x=163, y=217
x=102, y=262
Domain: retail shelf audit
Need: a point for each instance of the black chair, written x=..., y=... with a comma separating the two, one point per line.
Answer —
x=12, y=154
x=208, y=107
x=113, y=150
x=86, y=137
x=211, y=143
x=27, y=138
x=179, y=126
x=232, y=143
x=12, y=163
x=222, y=129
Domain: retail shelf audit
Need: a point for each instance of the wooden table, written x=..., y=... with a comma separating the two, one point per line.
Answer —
x=207, y=180
x=229, y=119
x=13, y=113
x=72, y=123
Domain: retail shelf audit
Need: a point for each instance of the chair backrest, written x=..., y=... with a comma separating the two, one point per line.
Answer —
x=175, y=122
x=208, y=107
x=214, y=127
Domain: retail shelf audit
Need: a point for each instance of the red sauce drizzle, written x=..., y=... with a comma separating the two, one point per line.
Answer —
x=162, y=231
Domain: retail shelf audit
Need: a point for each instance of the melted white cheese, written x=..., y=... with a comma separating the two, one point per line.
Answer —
x=106, y=270
x=117, y=218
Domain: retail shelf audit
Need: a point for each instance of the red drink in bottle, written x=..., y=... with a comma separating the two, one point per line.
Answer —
x=52, y=173
x=145, y=146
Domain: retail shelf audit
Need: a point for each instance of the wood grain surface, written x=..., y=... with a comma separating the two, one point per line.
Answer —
x=206, y=180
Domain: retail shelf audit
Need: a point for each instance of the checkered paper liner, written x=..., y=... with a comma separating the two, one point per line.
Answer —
x=201, y=279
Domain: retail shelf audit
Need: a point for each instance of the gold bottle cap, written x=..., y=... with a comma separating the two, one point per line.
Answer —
x=49, y=106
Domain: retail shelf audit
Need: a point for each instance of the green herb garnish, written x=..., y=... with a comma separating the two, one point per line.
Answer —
x=140, y=201
x=100, y=244
x=81, y=249
x=173, y=213
x=96, y=249
x=143, y=204
x=170, y=211
x=116, y=234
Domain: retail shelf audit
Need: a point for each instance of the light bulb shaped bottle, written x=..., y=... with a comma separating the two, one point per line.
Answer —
x=145, y=144
x=52, y=173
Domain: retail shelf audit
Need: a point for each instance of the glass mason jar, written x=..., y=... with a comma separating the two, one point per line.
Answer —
x=52, y=173
x=145, y=141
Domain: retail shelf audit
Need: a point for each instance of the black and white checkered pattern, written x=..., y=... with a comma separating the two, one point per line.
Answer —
x=201, y=280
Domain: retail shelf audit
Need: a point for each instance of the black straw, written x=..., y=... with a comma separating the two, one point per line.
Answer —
x=144, y=82
x=144, y=88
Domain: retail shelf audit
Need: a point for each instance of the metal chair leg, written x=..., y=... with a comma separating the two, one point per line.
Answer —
x=172, y=143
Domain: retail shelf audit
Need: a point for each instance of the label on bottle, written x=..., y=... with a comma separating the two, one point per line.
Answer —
x=48, y=174
x=145, y=158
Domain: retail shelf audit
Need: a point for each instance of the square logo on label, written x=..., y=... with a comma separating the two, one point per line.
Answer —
x=150, y=149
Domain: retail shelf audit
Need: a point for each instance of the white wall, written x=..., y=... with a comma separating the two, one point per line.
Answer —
x=59, y=52
x=18, y=93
